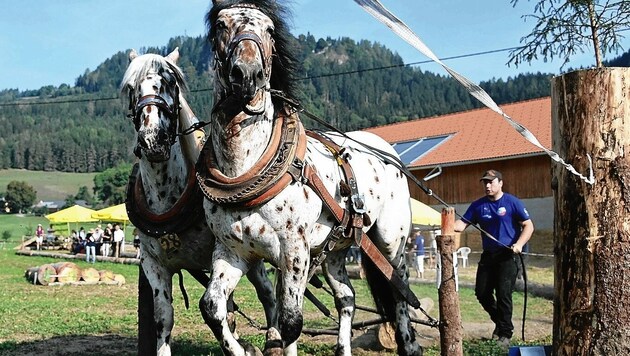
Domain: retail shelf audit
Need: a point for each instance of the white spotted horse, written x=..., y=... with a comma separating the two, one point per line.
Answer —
x=163, y=198
x=294, y=199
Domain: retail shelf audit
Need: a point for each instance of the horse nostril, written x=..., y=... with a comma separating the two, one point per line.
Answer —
x=236, y=75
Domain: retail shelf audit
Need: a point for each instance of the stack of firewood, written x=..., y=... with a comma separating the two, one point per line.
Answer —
x=61, y=273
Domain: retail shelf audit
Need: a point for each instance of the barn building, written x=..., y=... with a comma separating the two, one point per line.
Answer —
x=465, y=144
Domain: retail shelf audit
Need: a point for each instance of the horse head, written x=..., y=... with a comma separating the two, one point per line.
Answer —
x=153, y=84
x=250, y=40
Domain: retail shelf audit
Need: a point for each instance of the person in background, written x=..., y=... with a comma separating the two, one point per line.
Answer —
x=136, y=242
x=39, y=236
x=90, y=247
x=506, y=228
x=82, y=236
x=97, y=234
x=119, y=236
x=50, y=235
x=419, y=249
x=107, y=240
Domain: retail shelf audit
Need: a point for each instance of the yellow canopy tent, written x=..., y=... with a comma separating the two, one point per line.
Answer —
x=73, y=214
x=422, y=214
x=117, y=213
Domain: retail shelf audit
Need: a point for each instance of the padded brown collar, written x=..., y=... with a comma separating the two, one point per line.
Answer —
x=274, y=171
x=188, y=209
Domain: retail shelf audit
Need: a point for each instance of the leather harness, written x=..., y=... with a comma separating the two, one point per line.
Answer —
x=282, y=164
x=187, y=211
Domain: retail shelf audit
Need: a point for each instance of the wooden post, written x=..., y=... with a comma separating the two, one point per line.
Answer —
x=450, y=316
x=591, y=115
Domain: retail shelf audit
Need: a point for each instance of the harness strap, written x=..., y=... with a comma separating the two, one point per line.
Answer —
x=367, y=246
x=184, y=213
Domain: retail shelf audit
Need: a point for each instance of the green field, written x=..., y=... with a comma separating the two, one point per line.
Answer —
x=49, y=185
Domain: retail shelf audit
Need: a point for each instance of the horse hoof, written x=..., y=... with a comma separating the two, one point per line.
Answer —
x=273, y=346
x=250, y=350
x=231, y=320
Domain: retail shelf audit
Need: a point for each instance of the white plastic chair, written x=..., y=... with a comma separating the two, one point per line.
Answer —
x=462, y=253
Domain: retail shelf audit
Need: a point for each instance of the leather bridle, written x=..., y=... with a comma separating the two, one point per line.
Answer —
x=170, y=111
x=234, y=42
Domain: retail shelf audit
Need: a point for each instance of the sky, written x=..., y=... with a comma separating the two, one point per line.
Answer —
x=51, y=42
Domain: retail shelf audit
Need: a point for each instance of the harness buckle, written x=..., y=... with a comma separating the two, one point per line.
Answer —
x=358, y=203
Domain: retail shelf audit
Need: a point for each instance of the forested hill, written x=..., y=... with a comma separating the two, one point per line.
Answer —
x=84, y=128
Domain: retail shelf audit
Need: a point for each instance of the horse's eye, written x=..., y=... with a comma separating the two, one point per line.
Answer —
x=271, y=31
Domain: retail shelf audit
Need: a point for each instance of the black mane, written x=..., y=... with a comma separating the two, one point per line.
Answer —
x=285, y=63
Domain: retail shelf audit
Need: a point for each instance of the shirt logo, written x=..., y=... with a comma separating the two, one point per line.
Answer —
x=501, y=211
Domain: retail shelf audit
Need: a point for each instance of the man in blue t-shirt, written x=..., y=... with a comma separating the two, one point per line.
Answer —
x=506, y=229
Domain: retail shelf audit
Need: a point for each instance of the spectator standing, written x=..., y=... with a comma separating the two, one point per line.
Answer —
x=98, y=238
x=82, y=236
x=419, y=248
x=136, y=242
x=506, y=228
x=39, y=236
x=119, y=236
x=90, y=247
x=107, y=240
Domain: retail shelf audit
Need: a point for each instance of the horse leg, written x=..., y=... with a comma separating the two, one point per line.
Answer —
x=387, y=299
x=334, y=269
x=293, y=271
x=147, y=335
x=264, y=289
x=160, y=280
x=227, y=270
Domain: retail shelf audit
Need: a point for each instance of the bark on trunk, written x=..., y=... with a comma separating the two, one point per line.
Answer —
x=451, y=321
x=590, y=114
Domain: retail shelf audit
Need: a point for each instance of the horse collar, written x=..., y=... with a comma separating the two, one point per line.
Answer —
x=187, y=211
x=279, y=166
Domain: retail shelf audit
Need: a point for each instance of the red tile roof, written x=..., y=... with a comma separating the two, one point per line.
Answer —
x=476, y=135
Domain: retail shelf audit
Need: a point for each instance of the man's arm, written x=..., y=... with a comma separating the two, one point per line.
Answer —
x=526, y=234
x=460, y=225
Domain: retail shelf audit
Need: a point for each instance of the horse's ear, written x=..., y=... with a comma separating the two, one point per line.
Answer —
x=132, y=55
x=216, y=2
x=174, y=56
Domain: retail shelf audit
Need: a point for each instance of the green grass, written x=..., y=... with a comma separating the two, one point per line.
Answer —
x=30, y=313
x=49, y=185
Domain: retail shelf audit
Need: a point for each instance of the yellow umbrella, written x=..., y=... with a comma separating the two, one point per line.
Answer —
x=116, y=213
x=75, y=213
x=422, y=214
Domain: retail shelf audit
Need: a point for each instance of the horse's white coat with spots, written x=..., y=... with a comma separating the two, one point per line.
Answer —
x=292, y=227
x=165, y=168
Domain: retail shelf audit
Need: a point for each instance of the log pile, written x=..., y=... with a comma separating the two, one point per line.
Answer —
x=62, y=273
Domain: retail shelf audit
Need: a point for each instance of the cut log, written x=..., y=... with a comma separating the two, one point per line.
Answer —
x=67, y=272
x=120, y=279
x=41, y=274
x=90, y=275
x=106, y=276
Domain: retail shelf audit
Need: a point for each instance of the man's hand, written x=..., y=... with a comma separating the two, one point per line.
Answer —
x=517, y=249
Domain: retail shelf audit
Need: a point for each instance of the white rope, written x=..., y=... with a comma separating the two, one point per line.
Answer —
x=376, y=9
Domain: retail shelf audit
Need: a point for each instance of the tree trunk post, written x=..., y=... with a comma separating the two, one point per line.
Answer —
x=450, y=316
x=591, y=115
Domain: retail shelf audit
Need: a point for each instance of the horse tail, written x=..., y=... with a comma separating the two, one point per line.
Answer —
x=381, y=289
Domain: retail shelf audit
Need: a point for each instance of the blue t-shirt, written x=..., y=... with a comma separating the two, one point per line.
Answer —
x=419, y=245
x=500, y=219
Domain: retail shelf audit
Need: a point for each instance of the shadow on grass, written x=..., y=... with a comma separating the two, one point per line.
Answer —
x=108, y=344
